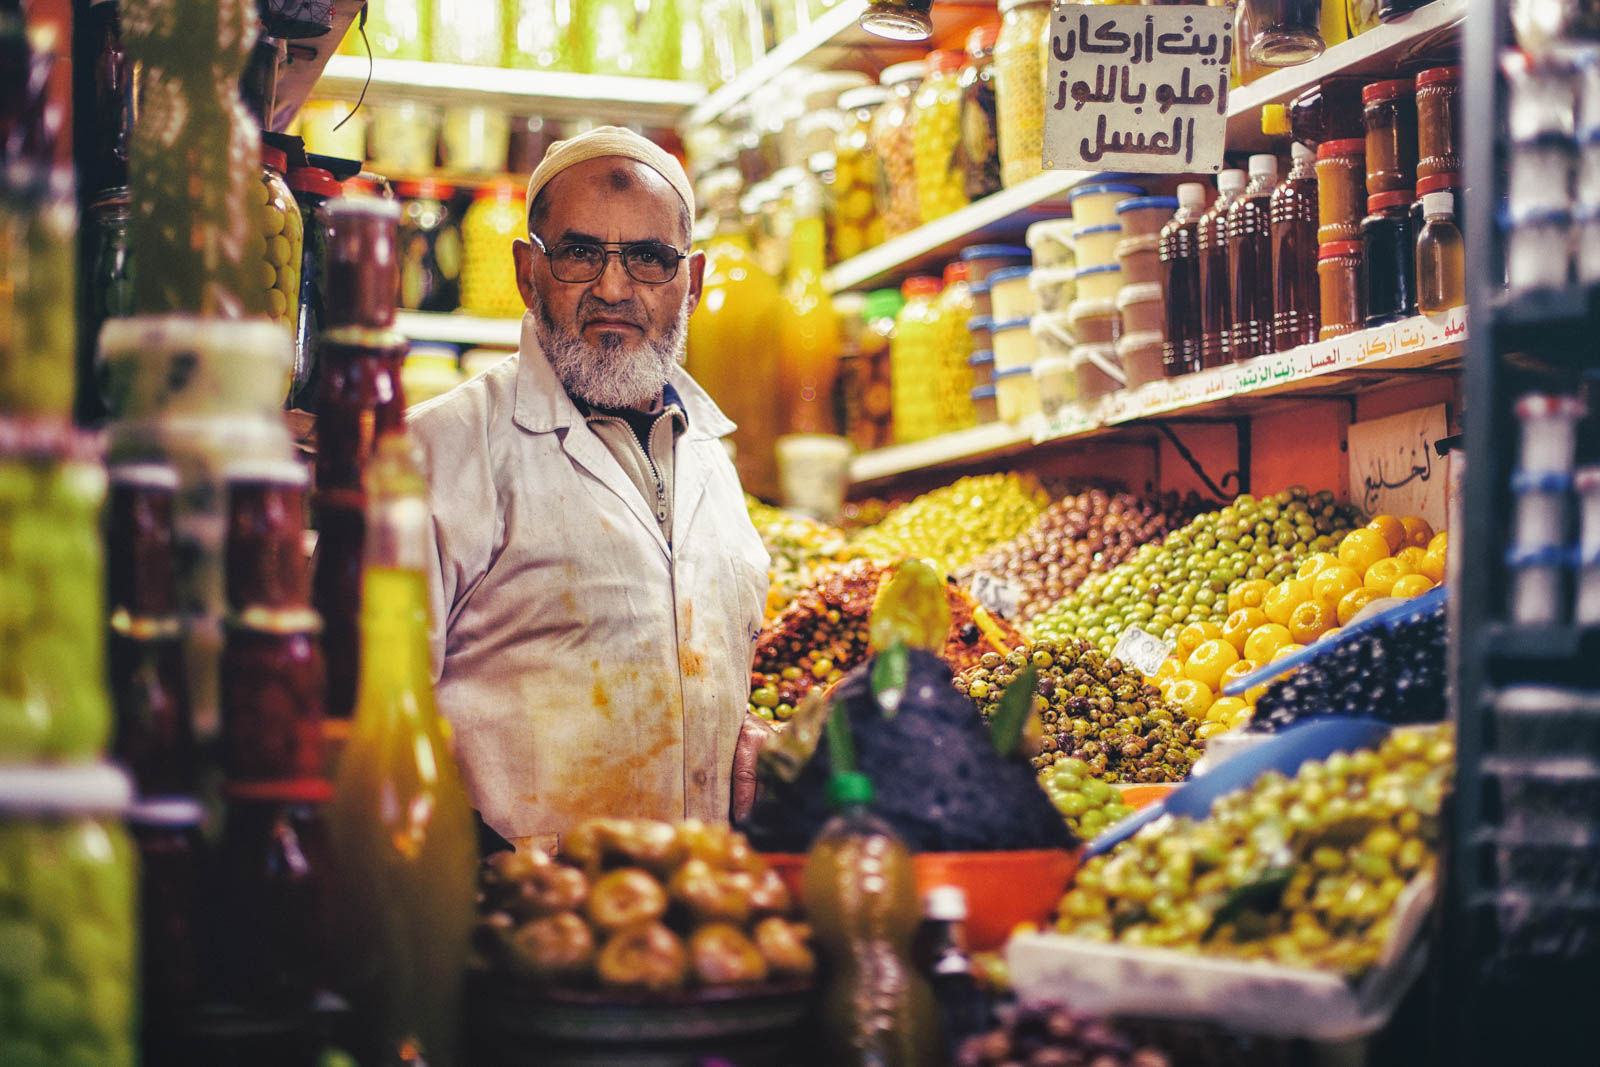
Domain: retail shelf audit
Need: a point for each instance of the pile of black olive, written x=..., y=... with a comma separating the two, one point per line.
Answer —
x=1052, y=1036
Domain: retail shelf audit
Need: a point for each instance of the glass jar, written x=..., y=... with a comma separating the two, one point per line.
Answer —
x=914, y=352
x=1438, y=92
x=272, y=695
x=154, y=735
x=498, y=216
x=1019, y=87
x=893, y=141
x=53, y=702
x=627, y=37
x=855, y=194
x=430, y=247
x=1389, y=109
x=1361, y=15
x=140, y=568
x=360, y=398
x=68, y=900
x=404, y=138
x=170, y=843
x=38, y=272
x=980, y=133
x=952, y=377
x=538, y=36
x=115, y=105
x=475, y=138
x=467, y=31
x=313, y=187
x=1388, y=259
x=264, y=553
x=732, y=37
x=363, y=267
x=1341, y=189
x=1286, y=31
x=400, y=29
x=110, y=278
x=283, y=235
x=1339, y=284
x=877, y=395
x=936, y=138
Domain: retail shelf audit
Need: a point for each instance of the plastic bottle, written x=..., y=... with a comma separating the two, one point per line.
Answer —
x=811, y=332
x=1328, y=111
x=1250, y=262
x=1216, y=303
x=1296, y=296
x=862, y=901
x=1180, y=262
x=1440, y=264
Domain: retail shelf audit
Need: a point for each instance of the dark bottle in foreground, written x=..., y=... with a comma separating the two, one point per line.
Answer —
x=942, y=956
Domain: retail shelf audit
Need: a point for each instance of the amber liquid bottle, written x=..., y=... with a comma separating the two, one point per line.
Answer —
x=1216, y=303
x=1180, y=263
x=1250, y=262
x=1296, y=295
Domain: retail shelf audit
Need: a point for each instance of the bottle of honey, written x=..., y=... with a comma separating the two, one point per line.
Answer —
x=1216, y=303
x=1250, y=261
x=1296, y=298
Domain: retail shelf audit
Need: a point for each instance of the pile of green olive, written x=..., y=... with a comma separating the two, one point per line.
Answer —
x=1186, y=577
x=1094, y=709
x=1302, y=871
x=951, y=526
x=1088, y=804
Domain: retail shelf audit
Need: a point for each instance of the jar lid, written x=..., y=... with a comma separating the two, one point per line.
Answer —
x=1013, y=372
x=313, y=180
x=49, y=440
x=1086, y=308
x=1383, y=201
x=943, y=61
x=1008, y=274
x=1438, y=183
x=1011, y=324
x=866, y=96
x=1089, y=231
x=1104, y=187
x=282, y=791
x=1536, y=699
x=425, y=189
x=274, y=622
x=1143, y=293
x=981, y=357
x=979, y=322
x=1049, y=230
x=265, y=471
x=1540, y=482
x=146, y=475
x=1376, y=92
x=883, y=304
x=172, y=813
x=1437, y=75
x=983, y=392
x=274, y=158
x=1586, y=479
x=978, y=287
x=920, y=285
x=1559, y=218
x=1346, y=146
x=1543, y=556
x=1335, y=249
x=1107, y=268
x=954, y=271
x=900, y=73
x=1132, y=342
x=74, y=789
x=972, y=252
x=1548, y=405
x=1140, y=203
x=502, y=189
x=983, y=38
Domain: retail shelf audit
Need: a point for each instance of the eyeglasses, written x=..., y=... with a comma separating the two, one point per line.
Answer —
x=650, y=262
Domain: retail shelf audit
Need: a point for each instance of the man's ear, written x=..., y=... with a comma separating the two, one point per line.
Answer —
x=697, y=275
x=522, y=256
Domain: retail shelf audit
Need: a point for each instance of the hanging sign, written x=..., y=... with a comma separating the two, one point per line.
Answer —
x=1393, y=467
x=1137, y=89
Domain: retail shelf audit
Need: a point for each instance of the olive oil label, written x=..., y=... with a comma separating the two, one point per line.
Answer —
x=1145, y=652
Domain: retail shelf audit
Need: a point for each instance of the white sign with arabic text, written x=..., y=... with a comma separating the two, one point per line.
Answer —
x=1137, y=89
x=1394, y=469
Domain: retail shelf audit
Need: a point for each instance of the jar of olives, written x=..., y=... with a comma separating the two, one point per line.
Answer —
x=1019, y=87
x=399, y=29
x=936, y=138
x=915, y=349
x=537, y=36
x=283, y=235
x=893, y=142
x=979, y=122
x=627, y=37
x=430, y=247
x=467, y=31
x=67, y=908
x=498, y=216
x=856, y=194
x=38, y=271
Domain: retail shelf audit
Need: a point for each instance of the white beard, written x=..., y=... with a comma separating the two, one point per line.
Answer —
x=613, y=373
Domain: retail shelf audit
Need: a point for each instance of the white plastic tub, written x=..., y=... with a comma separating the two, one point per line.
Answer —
x=1096, y=246
x=1538, y=584
x=1017, y=394
x=1549, y=431
x=1010, y=296
x=1541, y=509
x=1013, y=344
x=1051, y=242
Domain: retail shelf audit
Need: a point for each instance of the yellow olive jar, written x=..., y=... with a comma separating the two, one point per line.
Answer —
x=936, y=138
x=1019, y=68
x=282, y=233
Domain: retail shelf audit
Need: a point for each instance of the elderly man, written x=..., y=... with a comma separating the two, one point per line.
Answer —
x=598, y=584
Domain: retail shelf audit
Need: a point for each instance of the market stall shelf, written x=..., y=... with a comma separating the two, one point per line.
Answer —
x=459, y=329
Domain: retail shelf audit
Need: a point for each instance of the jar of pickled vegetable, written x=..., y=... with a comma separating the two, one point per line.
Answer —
x=980, y=132
x=893, y=141
x=399, y=29
x=855, y=194
x=430, y=247
x=538, y=35
x=1438, y=91
x=914, y=354
x=282, y=232
x=38, y=273
x=53, y=703
x=952, y=377
x=1019, y=52
x=1390, y=113
x=467, y=31
x=69, y=912
x=498, y=216
x=936, y=138
x=629, y=37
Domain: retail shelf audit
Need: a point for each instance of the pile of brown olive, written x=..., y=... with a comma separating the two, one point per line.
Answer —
x=1302, y=871
x=1092, y=708
x=638, y=904
x=1051, y=1036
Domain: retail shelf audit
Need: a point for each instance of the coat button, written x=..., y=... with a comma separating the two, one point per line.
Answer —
x=699, y=778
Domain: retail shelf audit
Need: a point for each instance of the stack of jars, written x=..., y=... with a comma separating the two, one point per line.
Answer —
x=1002, y=384
x=498, y=215
x=1141, y=296
x=1553, y=188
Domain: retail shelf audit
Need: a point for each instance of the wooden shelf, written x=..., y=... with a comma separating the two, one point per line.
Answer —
x=456, y=328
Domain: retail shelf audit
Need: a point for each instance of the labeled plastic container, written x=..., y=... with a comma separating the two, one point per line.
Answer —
x=1544, y=719
x=1140, y=260
x=984, y=402
x=1095, y=204
x=1016, y=394
x=982, y=364
x=1099, y=283
x=1058, y=383
x=1549, y=431
x=1051, y=242
x=1586, y=484
x=1096, y=246
x=1538, y=584
x=1093, y=322
x=1054, y=288
x=1013, y=344
x=1141, y=355
x=1540, y=176
x=1539, y=250
x=1142, y=216
x=1098, y=370
x=1541, y=510
x=1142, y=309
x=984, y=260
x=1010, y=296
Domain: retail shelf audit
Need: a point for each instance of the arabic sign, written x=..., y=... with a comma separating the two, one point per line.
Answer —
x=1139, y=89
x=1393, y=468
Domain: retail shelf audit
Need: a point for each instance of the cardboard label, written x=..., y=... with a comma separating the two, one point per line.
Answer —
x=1138, y=89
x=997, y=595
x=1145, y=652
x=1393, y=467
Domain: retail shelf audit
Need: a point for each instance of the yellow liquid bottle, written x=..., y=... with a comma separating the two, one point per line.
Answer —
x=1441, y=258
x=405, y=851
x=811, y=334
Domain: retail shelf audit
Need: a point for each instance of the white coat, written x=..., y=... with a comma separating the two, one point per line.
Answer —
x=586, y=666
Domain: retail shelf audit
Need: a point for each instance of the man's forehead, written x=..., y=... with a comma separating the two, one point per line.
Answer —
x=605, y=180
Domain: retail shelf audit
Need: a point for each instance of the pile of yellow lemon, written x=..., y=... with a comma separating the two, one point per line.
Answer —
x=1389, y=557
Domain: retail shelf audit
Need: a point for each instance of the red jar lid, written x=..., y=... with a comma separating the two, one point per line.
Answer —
x=1438, y=183
x=1334, y=249
x=1349, y=146
x=425, y=189
x=502, y=189
x=314, y=180
x=274, y=158
x=920, y=285
x=282, y=791
x=943, y=62
x=1382, y=201
x=1387, y=90
x=1437, y=75
x=983, y=38
x=955, y=271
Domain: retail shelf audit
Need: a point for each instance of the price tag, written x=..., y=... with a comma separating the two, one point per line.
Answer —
x=997, y=595
x=1143, y=651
